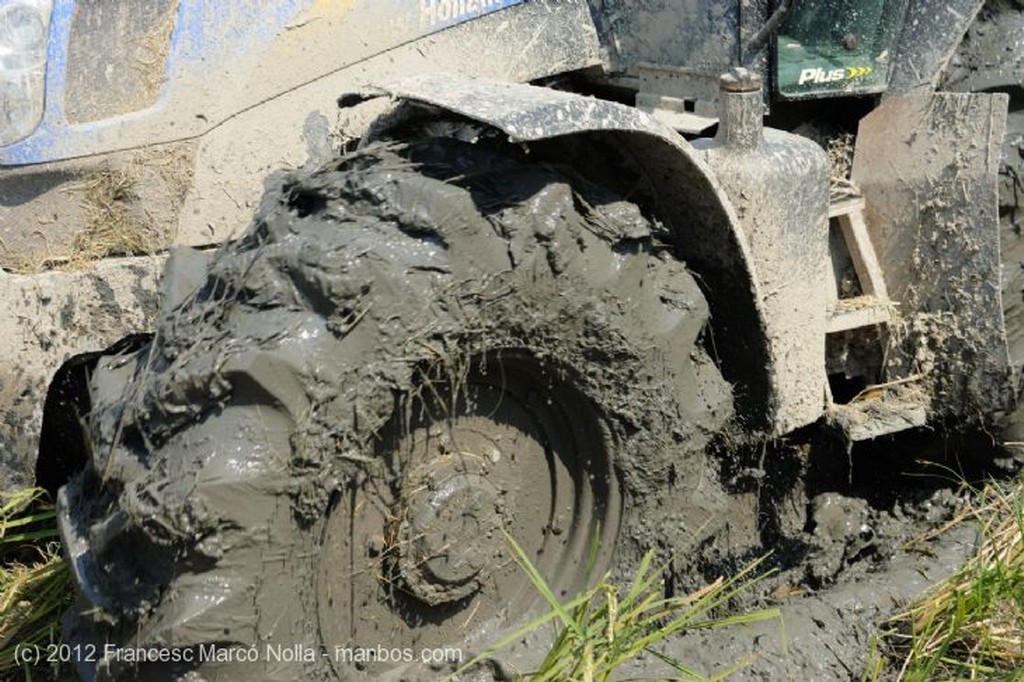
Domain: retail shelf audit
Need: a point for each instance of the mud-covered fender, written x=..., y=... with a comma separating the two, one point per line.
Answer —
x=688, y=199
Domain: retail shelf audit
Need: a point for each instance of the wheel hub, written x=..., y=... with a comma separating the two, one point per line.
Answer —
x=450, y=516
x=418, y=546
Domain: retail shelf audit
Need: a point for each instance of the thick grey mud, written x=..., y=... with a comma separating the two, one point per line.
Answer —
x=414, y=348
x=845, y=533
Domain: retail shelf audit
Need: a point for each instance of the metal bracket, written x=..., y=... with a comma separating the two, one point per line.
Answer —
x=681, y=98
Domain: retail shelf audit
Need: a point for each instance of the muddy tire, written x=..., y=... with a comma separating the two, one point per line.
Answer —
x=308, y=472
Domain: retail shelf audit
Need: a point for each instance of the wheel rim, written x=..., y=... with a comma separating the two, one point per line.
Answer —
x=414, y=555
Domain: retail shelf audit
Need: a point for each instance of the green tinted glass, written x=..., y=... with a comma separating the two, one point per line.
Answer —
x=834, y=47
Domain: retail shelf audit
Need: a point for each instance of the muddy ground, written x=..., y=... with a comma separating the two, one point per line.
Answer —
x=853, y=549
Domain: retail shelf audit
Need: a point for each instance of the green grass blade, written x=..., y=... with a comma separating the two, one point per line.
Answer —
x=643, y=580
x=39, y=517
x=25, y=538
x=689, y=674
x=515, y=636
x=542, y=586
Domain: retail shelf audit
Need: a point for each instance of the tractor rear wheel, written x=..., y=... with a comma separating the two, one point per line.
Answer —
x=311, y=469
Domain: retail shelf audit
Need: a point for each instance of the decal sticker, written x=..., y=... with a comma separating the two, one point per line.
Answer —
x=819, y=75
x=435, y=14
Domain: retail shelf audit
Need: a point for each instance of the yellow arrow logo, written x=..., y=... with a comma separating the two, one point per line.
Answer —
x=858, y=71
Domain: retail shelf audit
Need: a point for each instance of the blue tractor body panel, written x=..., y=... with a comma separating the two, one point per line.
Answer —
x=237, y=49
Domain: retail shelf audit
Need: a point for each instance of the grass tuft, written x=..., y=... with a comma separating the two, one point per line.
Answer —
x=111, y=227
x=35, y=586
x=605, y=627
x=971, y=626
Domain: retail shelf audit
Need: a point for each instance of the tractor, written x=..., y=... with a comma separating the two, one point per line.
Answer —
x=310, y=303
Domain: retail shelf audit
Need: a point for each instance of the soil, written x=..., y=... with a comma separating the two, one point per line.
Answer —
x=858, y=560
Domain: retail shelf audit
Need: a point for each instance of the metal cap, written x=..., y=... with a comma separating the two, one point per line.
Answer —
x=739, y=79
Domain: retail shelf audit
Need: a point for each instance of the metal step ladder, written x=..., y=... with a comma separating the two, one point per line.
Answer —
x=872, y=306
x=886, y=408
